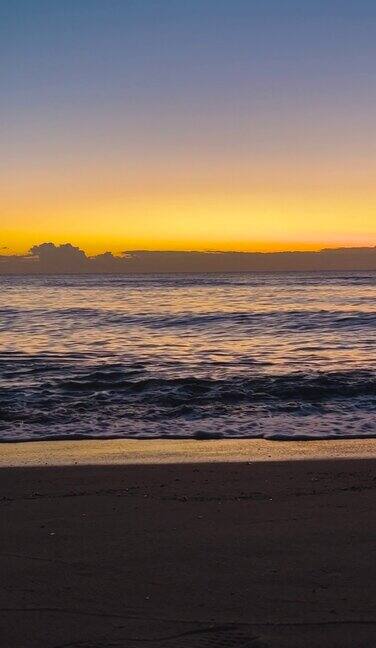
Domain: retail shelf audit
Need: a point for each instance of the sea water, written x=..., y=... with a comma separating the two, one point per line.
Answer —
x=280, y=356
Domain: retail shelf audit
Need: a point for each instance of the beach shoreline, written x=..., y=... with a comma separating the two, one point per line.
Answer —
x=165, y=451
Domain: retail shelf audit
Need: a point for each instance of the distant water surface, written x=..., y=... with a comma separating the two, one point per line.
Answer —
x=242, y=355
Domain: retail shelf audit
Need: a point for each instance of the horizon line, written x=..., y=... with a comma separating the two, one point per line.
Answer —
x=6, y=252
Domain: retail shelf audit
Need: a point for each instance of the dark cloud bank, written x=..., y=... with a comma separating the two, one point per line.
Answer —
x=48, y=258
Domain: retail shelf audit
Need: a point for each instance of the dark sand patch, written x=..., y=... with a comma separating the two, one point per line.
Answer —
x=263, y=554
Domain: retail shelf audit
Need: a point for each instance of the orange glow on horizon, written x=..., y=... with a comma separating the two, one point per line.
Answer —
x=194, y=222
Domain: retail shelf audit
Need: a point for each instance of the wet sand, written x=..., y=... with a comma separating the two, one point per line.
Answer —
x=184, y=544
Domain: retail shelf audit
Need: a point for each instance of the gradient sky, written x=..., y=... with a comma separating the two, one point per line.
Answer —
x=196, y=124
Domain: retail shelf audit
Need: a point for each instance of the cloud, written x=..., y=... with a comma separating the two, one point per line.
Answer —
x=60, y=258
x=49, y=258
x=107, y=262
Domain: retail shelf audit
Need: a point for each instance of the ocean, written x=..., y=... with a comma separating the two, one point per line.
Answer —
x=279, y=356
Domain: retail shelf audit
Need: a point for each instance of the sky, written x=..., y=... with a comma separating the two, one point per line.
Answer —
x=187, y=125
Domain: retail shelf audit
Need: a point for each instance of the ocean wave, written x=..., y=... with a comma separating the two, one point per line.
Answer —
x=272, y=320
x=114, y=401
x=302, y=386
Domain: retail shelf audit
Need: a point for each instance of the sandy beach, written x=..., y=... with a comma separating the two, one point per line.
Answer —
x=180, y=543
